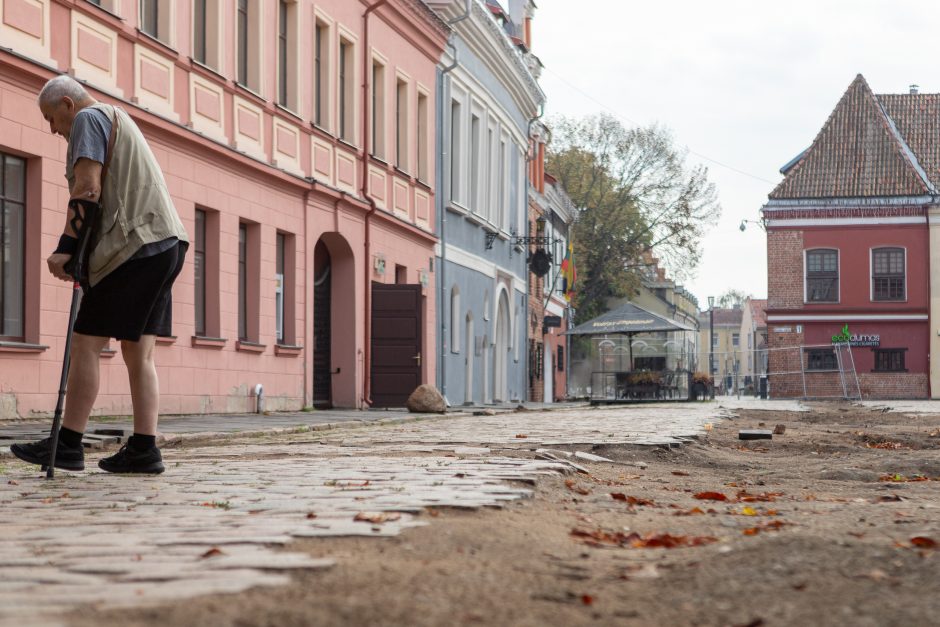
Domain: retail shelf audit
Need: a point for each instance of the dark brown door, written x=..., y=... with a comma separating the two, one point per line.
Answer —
x=396, y=343
x=322, y=337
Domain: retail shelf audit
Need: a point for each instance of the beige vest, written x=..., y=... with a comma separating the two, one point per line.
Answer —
x=136, y=208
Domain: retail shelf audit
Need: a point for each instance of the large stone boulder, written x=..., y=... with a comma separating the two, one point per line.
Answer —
x=426, y=400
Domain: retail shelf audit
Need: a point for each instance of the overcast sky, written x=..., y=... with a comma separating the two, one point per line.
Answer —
x=746, y=84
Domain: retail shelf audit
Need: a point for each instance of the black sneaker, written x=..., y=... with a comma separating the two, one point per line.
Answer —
x=66, y=457
x=127, y=460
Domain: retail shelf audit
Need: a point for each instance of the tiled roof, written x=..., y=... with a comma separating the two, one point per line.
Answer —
x=863, y=150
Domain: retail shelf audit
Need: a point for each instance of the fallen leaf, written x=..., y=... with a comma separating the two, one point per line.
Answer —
x=669, y=541
x=763, y=497
x=711, y=496
x=689, y=512
x=311, y=516
x=587, y=599
x=631, y=500
x=521, y=436
x=574, y=487
x=888, y=498
x=377, y=517
x=680, y=473
x=213, y=552
x=773, y=525
x=923, y=542
x=13, y=482
x=748, y=511
x=434, y=513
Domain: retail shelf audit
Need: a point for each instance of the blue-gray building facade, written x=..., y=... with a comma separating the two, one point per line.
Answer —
x=487, y=100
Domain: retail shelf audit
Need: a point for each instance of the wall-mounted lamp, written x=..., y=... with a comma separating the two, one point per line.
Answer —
x=743, y=225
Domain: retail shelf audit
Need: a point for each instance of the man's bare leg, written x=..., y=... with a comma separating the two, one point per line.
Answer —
x=83, y=380
x=145, y=386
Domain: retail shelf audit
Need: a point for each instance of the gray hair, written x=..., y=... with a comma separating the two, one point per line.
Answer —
x=60, y=87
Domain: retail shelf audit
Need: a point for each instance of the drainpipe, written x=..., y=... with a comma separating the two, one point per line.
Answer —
x=367, y=361
x=442, y=197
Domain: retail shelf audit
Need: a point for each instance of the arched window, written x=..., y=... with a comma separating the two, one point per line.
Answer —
x=455, y=319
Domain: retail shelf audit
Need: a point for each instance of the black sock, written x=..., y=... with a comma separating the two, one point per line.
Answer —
x=71, y=439
x=140, y=442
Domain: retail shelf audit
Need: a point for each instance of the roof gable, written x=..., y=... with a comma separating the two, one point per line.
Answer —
x=917, y=117
x=858, y=153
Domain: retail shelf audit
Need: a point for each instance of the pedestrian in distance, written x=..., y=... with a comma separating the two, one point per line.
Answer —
x=136, y=251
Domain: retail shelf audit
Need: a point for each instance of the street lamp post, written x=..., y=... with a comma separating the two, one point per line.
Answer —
x=711, y=337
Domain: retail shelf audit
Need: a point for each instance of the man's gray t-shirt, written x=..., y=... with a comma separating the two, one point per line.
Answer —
x=88, y=139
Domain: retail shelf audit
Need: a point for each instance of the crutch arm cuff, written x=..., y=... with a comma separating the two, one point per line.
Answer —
x=67, y=245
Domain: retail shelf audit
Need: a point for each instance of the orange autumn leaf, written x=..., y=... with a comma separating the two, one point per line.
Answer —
x=689, y=512
x=587, y=599
x=213, y=552
x=521, y=436
x=924, y=542
x=669, y=541
x=572, y=485
x=680, y=473
x=376, y=517
x=631, y=500
x=711, y=496
x=763, y=497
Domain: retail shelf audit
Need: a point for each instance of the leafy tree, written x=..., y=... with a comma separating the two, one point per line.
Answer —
x=636, y=195
x=733, y=297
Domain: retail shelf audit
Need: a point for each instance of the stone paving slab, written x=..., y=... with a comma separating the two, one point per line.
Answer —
x=903, y=407
x=221, y=518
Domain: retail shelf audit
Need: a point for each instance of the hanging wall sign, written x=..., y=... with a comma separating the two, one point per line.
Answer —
x=855, y=339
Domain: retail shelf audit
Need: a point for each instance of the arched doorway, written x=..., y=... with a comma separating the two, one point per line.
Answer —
x=501, y=351
x=335, y=321
x=322, y=337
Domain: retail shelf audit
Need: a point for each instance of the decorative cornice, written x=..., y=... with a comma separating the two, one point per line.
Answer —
x=492, y=44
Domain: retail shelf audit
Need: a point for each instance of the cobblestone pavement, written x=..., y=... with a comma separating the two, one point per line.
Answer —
x=222, y=517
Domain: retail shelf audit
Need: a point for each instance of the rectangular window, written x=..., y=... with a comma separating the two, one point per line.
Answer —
x=242, y=282
x=282, y=45
x=279, y=287
x=288, y=79
x=475, y=157
x=456, y=158
x=561, y=359
x=150, y=17
x=401, y=275
x=888, y=273
x=821, y=359
x=489, y=193
x=199, y=271
x=108, y=5
x=378, y=109
x=199, y=30
x=347, y=101
x=12, y=257
x=422, y=137
x=321, y=75
x=242, y=33
x=502, y=202
x=735, y=339
x=889, y=359
x=822, y=276
x=401, y=125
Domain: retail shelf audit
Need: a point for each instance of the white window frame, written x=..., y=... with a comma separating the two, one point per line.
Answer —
x=322, y=89
x=213, y=35
x=422, y=134
x=458, y=147
x=254, y=72
x=378, y=106
x=456, y=313
x=166, y=20
x=292, y=73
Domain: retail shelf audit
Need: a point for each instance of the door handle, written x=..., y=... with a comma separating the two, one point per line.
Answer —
x=417, y=358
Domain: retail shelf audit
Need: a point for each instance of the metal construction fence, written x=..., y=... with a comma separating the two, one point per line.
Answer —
x=641, y=368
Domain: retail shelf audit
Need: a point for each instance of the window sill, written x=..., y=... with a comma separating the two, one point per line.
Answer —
x=378, y=159
x=288, y=111
x=288, y=350
x=402, y=172
x=245, y=346
x=208, y=69
x=200, y=341
x=875, y=301
x=153, y=39
x=421, y=183
x=166, y=340
x=322, y=129
x=21, y=347
x=105, y=11
x=891, y=371
x=479, y=221
x=456, y=207
x=250, y=92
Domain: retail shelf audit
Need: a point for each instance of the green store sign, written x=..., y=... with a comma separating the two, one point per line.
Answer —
x=854, y=339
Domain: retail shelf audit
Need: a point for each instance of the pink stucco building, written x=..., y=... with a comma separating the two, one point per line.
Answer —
x=296, y=139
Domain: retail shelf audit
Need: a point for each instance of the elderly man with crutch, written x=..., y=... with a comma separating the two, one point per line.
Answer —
x=124, y=240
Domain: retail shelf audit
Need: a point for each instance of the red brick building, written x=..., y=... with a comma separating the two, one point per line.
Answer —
x=851, y=234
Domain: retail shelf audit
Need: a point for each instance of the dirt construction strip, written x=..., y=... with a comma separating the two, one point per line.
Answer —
x=834, y=522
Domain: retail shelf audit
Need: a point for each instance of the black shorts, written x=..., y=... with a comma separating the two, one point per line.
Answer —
x=133, y=300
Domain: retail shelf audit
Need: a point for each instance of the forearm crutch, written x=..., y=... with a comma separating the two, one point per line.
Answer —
x=86, y=212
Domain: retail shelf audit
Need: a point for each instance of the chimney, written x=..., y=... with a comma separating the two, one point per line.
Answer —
x=915, y=89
